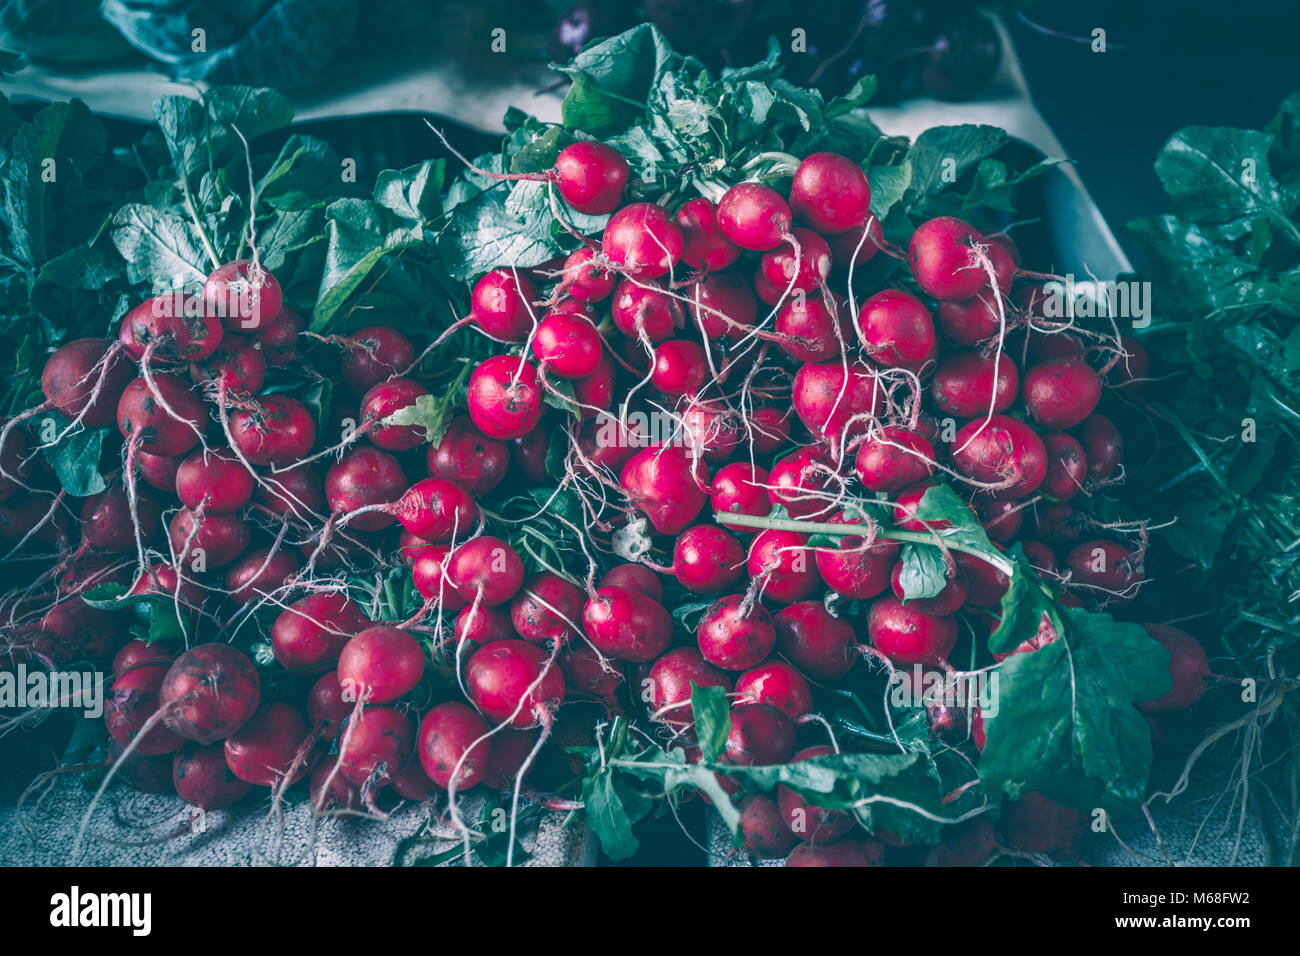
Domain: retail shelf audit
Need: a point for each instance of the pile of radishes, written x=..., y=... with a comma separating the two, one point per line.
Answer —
x=719, y=324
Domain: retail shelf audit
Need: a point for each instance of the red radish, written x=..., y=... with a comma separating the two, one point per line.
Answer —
x=145, y=774
x=830, y=193
x=809, y=330
x=761, y=735
x=1108, y=570
x=278, y=338
x=800, y=481
x=1048, y=346
x=968, y=322
x=385, y=400
x=547, y=608
x=736, y=635
x=815, y=641
x=211, y=539
x=487, y=570
x=327, y=708
x=261, y=574
x=595, y=393
x=1001, y=520
x=310, y=632
x=277, y=430
x=810, y=823
x=704, y=246
x=767, y=293
x=438, y=510
x=330, y=791
x=983, y=584
x=642, y=242
x=380, y=664
x=966, y=844
x=680, y=367
x=1002, y=452
x=1188, y=666
x=567, y=345
x=142, y=417
x=672, y=679
x=156, y=325
x=243, y=294
x=754, y=217
x=801, y=268
x=505, y=400
x=429, y=575
x=587, y=674
x=609, y=444
x=711, y=429
x=634, y=577
x=373, y=355
x=298, y=492
x=1041, y=557
x=833, y=406
x=897, y=329
x=483, y=625
x=854, y=569
x=909, y=636
x=365, y=476
x=466, y=455
x=79, y=378
x=947, y=601
x=785, y=563
x=209, y=693
x=379, y=742
x=510, y=749
x=769, y=430
x=263, y=751
x=514, y=682
x=943, y=259
x=217, y=481
x=238, y=367
x=133, y=699
x=762, y=828
x=722, y=303
x=451, y=747
x=664, y=483
x=739, y=488
x=850, y=247
x=627, y=625
x=501, y=305
x=106, y=523
x=1067, y=466
x=843, y=853
x=1035, y=824
x=585, y=279
x=647, y=307
x=140, y=655
x=1004, y=264
x=708, y=559
x=410, y=547
x=1103, y=447
x=590, y=177
x=1061, y=393
x=72, y=630
x=411, y=782
x=882, y=465
x=202, y=778
x=1058, y=523
x=963, y=384
x=162, y=579
x=778, y=684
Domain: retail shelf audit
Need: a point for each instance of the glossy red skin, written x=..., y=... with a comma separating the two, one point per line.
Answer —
x=242, y=297
x=942, y=260
x=708, y=559
x=222, y=480
x=365, y=476
x=826, y=405
x=501, y=304
x=815, y=641
x=450, y=747
x=326, y=708
x=567, y=346
x=681, y=367
x=1061, y=393
x=1041, y=557
x=584, y=674
x=411, y=782
x=140, y=415
x=1118, y=570
x=627, y=625
x=754, y=217
x=897, y=329
x=263, y=750
x=963, y=384
x=279, y=337
x=595, y=393
x=500, y=406
x=71, y=374
x=947, y=601
x=309, y=634
x=380, y=664
x=738, y=488
x=222, y=538
x=298, y=492
x=805, y=271
x=1002, y=448
x=534, y=621
x=381, y=742
x=280, y=432
x=438, y=510
x=711, y=428
x=498, y=679
x=1001, y=520
x=374, y=354
x=984, y=583
x=388, y=398
x=968, y=322
x=763, y=830
x=483, y=625
x=732, y=640
x=797, y=480
x=259, y=574
x=704, y=246
x=133, y=699
x=106, y=524
x=185, y=338
x=1067, y=466
x=238, y=365
x=769, y=430
x=202, y=778
x=767, y=293
x=590, y=177
x=807, y=822
x=330, y=791
x=849, y=246
x=646, y=307
x=1103, y=446
x=722, y=303
x=842, y=853
x=642, y=241
x=528, y=453
x=671, y=678
x=486, y=569
x=830, y=193
x=761, y=735
x=789, y=566
x=1035, y=824
x=209, y=692
x=1188, y=666
x=634, y=577
x=430, y=578
x=809, y=329
x=882, y=467
x=658, y=482
x=907, y=635
x=776, y=683
x=854, y=571
x=584, y=280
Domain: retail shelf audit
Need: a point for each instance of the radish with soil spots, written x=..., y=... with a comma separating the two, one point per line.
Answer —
x=202, y=778
x=375, y=744
x=642, y=242
x=813, y=824
x=672, y=679
x=278, y=338
x=438, y=510
x=261, y=576
x=277, y=430
x=309, y=634
x=450, y=747
x=505, y=400
x=665, y=483
x=237, y=367
x=815, y=641
x=627, y=625
x=213, y=538
x=834, y=404
x=785, y=563
x=373, y=355
x=244, y=294
x=268, y=747
x=486, y=570
x=146, y=422
x=515, y=682
x=1106, y=571
x=365, y=476
x=81, y=378
x=1067, y=466
x=138, y=673
x=762, y=828
x=1061, y=393
x=1005, y=455
x=585, y=279
x=907, y=635
x=380, y=664
x=547, y=608
x=153, y=327
x=734, y=634
x=707, y=559
x=830, y=193
x=740, y=488
x=943, y=260
x=760, y=736
x=209, y=692
x=754, y=217
x=385, y=400
x=1188, y=666
x=466, y=455
x=882, y=465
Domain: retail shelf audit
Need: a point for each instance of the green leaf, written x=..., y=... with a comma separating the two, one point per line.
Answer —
x=361, y=234
x=413, y=193
x=161, y=247
x=924, y=573
x=608, y=816
x=75, y=459
x=712, y=714
x=157, y=611
x=1216, y=174
x=1023, y=605
x=432, y=413
x=888, y=186
x=613, y=78
x=943, y=154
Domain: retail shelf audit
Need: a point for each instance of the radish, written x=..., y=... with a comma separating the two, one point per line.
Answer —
x=968, y=322
x=501, y=305
x=681, y=367
x=278, y=338
x=505, y=401
x=1001, y=520
x=327, y=710
x=209, y=692
x=510, y=751
x=1107, y=570
x=812, y=824
x=362, y=477
x=1061, y=393
x=483, y=625
x=834, y=406
x=854, y=569
x=513, y=682
x=1003, y=454
x=642, y=242
x=373, y=355
x=236, y=367
x=261, y=575
x=963, y=385
x=1067, y=466
x=882, y=465
x=909, y=636
x=673, y=677
x=1188, y=667
x=1058, y=523
x=202, y=778
x=966, y=844
x=802, y=481
x=769, y=430
x=947, y=601
x=760, y=736
x=595, y=393
x=808, y=329
x=162, y=579
x=72, y=630
x=735, y=634
x=567, y=345
x=450, y=746
x=646, y=308
x=154, y=327
x=627, y=625
x=588, y=674
x=783, y=562
x=815, y=641
x=411, y=782
x=721, y=304
x=664, y=483
x=768, y=294
x=1035, y=824
x=267, y=747
x=801, y=263
x=851, y=248
x=331, y=791
x=429, y=575
x=762, y=828
x=585, y=279
x=486, y=570
x=943, y=259
x=548, y=608
x=150, y=426
x=438, y=510
x=711, y=429
x=704, y=246
x=138, y=673
x=778, y=684
x=145, y=774
x=1040, y=557
x=380, y=664
x=982, y=585
x=377, y=742
x=276, y=430
x=387, y=399
x=830, y=193
x=243, y=294
x=217, y=539
x=298, y=493
x=754, y=217
x=840, y=853
x=707, y=559
x=1103, y=447
x=634, y=577
x=85, y=378
x=464, y=454
x=217, y=481
x=310, y=633
x=897, y=329
x=590, y=177
x=739, y=488
x=107, y=525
